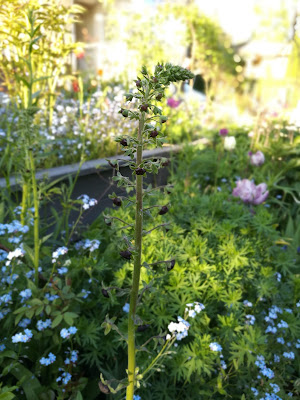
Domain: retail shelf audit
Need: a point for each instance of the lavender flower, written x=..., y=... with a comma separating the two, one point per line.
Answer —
x=257, y=159
x=249, y=193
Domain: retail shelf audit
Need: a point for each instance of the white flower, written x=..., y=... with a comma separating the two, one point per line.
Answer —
x=229, y=143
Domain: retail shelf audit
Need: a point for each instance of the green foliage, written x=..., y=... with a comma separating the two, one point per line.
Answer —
x=41, y=30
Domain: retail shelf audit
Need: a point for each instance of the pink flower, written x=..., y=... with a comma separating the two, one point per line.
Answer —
x=173, y=103
x=223, y=132
x=250, y=193
x=257, y=158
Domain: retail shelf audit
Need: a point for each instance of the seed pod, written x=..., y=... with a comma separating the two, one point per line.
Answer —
x=117, y=201
x=105, y=293
x=163, y=210
x=171, y=265
x=112, y=165
x=103, y=388
x=163, y=119
x=153, y=133
x=140, y=171
x=159, y=96
x=144, y=107
x=124, y=142
x=142, y=328
x=125, y=254
x=125, y=113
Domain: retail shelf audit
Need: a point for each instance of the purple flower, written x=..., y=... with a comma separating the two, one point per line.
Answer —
x=257, y=158
x=247, y=191
x=223, y=132
x=171, y=102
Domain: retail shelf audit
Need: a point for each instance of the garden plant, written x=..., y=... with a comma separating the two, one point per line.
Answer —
x=189, y=290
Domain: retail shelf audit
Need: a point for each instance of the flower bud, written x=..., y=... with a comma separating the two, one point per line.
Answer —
x=165, y=164
x=257, y=159
x=125, y=113
x=129, y=96
x=124, y=142
x=142, y=328
x=144, y=107
x=159, y=96
x=163, y=210
x=223, y=132
x=140, y=171
x=112, y=165
x=105, y=293
x=171, y=265
x=117, y=201
x=138, y=83
x=163, y=119
x=103, y=388
x=154, y=79
x=125, y=254
x=229, y=143
x=153, y=133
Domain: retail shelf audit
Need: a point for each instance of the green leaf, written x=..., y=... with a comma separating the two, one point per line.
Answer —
x=57, y=320
x=29, y=382
x=69, y=320
x=48, y=309
x=6, y=396
x=78, y=396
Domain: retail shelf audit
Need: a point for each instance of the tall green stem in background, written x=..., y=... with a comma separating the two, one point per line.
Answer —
x=150, y=91
x=36, y=219
x=137, y=264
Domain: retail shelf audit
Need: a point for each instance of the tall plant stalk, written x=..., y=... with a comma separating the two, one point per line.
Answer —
x=150, y=91
x=137, y=263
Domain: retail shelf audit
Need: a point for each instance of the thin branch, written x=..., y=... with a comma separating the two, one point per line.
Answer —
x=153, y=337
x=119, y=219
x=158, y=226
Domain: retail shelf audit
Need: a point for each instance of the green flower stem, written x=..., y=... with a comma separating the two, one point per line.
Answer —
x=24, y=202
x=36, y=219
x=137, y=265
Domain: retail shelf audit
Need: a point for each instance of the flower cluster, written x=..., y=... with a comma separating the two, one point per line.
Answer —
x=214, y=346
x=180, y=329
x=25, y=294
x=73, y=357
x=264, y=370
x=87, y=202
x=250, y=319
x=42, y=325
x=22, y=337
x=92, y=245
x=194, y=308
x=59, y=252
x=64, y=378
x=47, y=361
x=24, y=323
x=66, y=333
x=249, y=193
x=18, y=252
